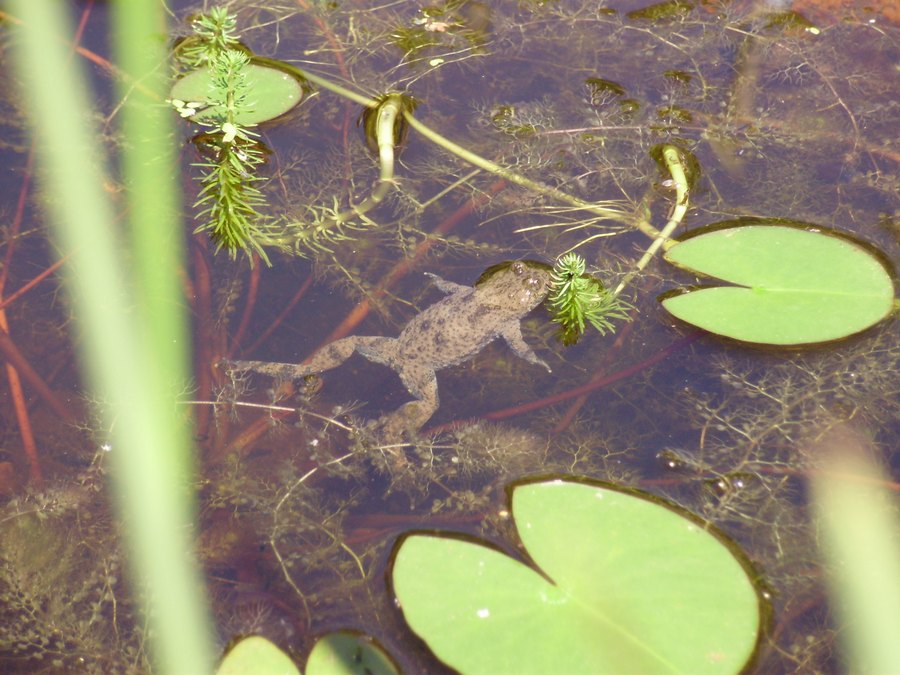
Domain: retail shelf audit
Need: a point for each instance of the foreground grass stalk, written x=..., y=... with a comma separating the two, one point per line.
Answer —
x=127, y=306
x=857, y=528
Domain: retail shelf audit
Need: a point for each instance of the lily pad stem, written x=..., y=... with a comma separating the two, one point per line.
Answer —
x=329, y=223
x=512, y=176
x=388, y=111
x=468, y=156
x=325, y=83
x=673, y=162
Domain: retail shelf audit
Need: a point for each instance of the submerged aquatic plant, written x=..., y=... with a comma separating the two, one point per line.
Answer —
x=230, y=197
x=214, y=33
x=385, y=130
x=578, y=299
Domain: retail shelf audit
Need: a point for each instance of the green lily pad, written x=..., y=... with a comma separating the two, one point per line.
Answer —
x=272, y=93
x=795, y=284
x=346, y=653
x=625, y=585
x=255, y=655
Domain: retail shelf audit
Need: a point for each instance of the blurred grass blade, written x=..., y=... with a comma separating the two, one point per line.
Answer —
x=127, y=357
x=151, y=177
x=858, y=535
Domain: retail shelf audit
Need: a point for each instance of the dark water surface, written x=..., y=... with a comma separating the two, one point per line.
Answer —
x=788, y=115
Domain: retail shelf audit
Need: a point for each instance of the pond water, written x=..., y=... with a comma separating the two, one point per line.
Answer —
x=790, y=112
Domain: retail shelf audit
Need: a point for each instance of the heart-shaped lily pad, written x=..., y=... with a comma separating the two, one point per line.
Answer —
x=796, y=284
x=255, y=655
x=272, y=93
x=631, y=585
x=348, y=653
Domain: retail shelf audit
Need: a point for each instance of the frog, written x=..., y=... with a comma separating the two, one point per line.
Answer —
x=449, y=332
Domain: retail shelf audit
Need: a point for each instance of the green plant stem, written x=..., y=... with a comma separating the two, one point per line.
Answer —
x=672, y=159
x=459, y=151
x=388, y=112
x=512, y=176
x=462, y=180
x=323, y=82
x=670, y=153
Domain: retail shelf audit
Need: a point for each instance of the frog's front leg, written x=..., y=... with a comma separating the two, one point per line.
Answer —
x=378, y=349
x=512, y=333
x=446, y=286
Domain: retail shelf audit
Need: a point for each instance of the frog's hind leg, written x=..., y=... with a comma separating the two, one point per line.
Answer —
x=410, y=417
x=378, y=349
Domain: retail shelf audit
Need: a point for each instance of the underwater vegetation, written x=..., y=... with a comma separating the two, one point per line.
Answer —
x=444, y=140
x=64, y=602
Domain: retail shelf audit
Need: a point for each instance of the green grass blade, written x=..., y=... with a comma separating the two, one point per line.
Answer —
x=122, y=358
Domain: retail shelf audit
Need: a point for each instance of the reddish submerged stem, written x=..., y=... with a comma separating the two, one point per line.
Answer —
x=569, y=415
x=16, y=364
x=252, y=292
x=206, y=353
x=22, y=290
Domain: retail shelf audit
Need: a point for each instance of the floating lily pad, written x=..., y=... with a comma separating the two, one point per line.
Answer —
x=625, y=585
x=256, y=656
x=272, y=93
x=346, y=653
x=796, y=284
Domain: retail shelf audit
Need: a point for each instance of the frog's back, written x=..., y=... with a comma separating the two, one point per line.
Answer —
x=455, y=329
x=448, y=332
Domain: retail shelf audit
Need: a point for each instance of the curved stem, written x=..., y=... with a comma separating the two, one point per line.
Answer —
x=325, y=83
x=512, y=176
x=387, y=112
x=672, y=159
x=482, y=163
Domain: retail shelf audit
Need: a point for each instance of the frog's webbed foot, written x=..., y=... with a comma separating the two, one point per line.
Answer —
x=279, y=371
x=513, y=336
x=403, y=423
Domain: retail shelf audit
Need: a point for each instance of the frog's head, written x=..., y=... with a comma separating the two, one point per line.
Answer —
x=519, y=285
